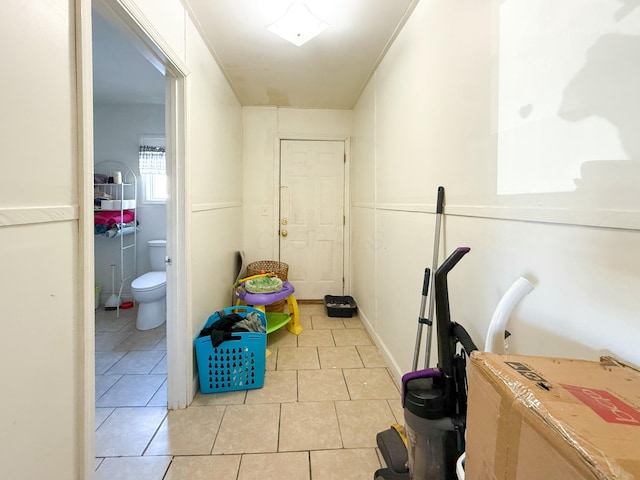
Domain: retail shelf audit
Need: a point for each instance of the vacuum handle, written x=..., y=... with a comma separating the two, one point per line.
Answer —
x=425, y=282
x=446, y=346
x=464, y=338
x=451, y=261
x=421, y=318
x=440, y=201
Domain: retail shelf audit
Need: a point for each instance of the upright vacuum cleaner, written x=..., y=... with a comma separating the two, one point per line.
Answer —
x=434, y=401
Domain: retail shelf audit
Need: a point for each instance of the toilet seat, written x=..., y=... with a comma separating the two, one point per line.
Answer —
x=149, y=281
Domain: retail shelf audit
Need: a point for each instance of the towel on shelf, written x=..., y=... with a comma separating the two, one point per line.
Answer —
x=109, y=218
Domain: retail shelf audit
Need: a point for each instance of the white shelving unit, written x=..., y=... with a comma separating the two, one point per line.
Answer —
x=124, y=198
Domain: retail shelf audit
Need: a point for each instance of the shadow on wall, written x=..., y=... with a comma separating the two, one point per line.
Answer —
x=627, y=7
x=530, y=339
x=607, y=86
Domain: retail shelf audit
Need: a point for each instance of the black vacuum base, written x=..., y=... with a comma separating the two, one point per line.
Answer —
x=393, y=450
x=389, y=474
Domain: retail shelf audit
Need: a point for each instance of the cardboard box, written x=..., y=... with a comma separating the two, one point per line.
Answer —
x=550, y=418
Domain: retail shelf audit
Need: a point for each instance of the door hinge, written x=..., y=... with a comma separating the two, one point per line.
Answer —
x=345, y=157
x=344, y=220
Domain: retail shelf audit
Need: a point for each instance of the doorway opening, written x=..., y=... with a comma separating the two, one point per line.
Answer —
x=105, y=126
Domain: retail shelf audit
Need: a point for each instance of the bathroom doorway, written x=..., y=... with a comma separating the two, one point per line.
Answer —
x=164, y=220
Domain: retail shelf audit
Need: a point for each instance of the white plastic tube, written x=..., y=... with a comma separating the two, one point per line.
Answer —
x=495, y=335
x=460, y=467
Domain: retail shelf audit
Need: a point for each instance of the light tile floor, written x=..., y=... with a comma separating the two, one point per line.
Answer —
x=327, y=393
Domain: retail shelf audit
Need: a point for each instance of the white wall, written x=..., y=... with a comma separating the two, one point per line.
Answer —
x=39, y=354
x=430, y=117
x=215, y=182
x=43, y=348
x=117, y=131
x=263, y=127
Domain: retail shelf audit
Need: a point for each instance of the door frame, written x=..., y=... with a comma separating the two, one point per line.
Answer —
x=346, y=236
x=159, y=53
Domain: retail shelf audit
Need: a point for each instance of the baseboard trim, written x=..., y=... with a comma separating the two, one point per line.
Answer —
x=394, y=369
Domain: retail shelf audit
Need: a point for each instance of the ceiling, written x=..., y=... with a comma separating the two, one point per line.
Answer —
x=121, y=75
x=329, y=71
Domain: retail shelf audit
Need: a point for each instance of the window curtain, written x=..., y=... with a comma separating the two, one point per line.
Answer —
x=152, y=160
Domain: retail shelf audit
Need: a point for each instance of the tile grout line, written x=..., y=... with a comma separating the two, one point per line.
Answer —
x=279, y=427
x=165, y=418
x=335, y=409
x=215, y=437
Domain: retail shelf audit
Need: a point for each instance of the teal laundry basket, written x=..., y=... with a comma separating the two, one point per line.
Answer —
x=235, y=364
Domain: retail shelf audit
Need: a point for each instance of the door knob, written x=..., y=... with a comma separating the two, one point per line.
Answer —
x=284, y=233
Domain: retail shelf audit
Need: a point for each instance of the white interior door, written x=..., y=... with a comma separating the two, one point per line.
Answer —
x=312, y=216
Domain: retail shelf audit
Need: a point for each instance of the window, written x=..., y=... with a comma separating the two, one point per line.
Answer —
x=153, y=169
x=155, y=187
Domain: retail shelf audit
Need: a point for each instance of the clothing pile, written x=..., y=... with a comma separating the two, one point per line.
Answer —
x=223, y=329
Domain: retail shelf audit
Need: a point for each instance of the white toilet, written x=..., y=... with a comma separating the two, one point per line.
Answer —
x=150, y=289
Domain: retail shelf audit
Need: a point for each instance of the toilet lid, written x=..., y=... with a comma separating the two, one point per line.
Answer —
x=149, y=281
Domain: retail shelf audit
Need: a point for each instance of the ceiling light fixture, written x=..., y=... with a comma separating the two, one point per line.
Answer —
x=298, y=25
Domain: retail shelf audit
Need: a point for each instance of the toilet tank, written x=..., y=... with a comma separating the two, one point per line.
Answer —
x=157, y=253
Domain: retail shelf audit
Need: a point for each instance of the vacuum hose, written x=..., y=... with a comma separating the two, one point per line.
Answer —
x=464, y=338
x=495, y=335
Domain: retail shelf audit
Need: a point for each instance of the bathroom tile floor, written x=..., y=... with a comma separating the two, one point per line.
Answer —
x=327, y=392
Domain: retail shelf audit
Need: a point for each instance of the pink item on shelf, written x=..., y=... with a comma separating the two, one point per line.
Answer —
x=109, y=218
